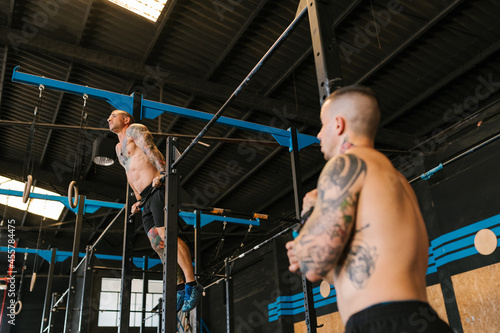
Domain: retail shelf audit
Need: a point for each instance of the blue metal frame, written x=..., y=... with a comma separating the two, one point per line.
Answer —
x=91, y=206
x=190, y=219
x=152, y=109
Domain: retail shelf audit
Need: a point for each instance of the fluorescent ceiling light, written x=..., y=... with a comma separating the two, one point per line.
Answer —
x=47, y=208
x=149, y=9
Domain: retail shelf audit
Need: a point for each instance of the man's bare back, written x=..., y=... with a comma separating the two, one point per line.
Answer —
x=386, y=259
x=365, y=235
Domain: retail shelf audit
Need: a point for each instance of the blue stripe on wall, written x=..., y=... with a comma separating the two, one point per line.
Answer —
x=447, y=248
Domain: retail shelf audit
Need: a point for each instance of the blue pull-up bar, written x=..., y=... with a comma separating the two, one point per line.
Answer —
x=152, y=109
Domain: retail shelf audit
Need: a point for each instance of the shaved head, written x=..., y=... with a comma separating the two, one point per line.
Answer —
x=359, y=106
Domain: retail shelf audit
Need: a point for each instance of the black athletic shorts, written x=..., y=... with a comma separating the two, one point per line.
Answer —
x=152, y=211
x=397, y=317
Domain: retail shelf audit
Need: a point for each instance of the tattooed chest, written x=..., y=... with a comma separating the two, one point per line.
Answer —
x=124, y=155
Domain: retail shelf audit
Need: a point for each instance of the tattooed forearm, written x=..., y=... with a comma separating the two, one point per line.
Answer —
x=328, y=230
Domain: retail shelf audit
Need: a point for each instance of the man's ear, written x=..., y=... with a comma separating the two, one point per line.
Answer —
x=339, y=125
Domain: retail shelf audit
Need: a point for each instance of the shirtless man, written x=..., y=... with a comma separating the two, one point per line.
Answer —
x=365, y=235
x=144, y=166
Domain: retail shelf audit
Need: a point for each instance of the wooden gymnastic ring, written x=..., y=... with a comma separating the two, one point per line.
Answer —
x=27, y=188
x=17, y=311
x=73, y=190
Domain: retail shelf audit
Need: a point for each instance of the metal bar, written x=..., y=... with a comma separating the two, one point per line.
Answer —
x=60, y=298
x=169, y=318
x=119, y=101
x=244, y=83
x=152, y=109
x=74, y=259
x=258, y=246
x=126, y=285
x=52, y=306
x=197, y=256
x=100, y=237
x=229, y=298
x=453, y=159
x=48, y=292
x=409, y=41
x=90, y=206
x=4, y=67
x=83, y=324
x=144, y=294
x=480, y=57
x=325, y=48
x=310, y=312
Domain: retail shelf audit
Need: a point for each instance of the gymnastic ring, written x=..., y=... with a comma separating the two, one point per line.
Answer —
x=27, y=188
x=16, y=312
x=73, y=194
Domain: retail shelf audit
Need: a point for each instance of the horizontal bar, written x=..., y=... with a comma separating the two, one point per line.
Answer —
x=152, y=109
x=91, y=206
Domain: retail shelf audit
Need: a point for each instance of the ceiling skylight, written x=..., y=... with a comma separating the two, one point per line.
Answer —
x=150, y=9
x=47, y=208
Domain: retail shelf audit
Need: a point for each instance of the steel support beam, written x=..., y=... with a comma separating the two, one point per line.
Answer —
x=197, y=270
x=84, y=322
x=175, y=79
x=74, y=262
x=326, y=57
x=169, y=318
x=463, y=68
x=47, y=308
x=310, y=311
x=127, y=254
x=229, y=297
x=152, y=109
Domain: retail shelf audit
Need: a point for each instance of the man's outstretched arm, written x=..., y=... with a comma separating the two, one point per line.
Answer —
x=318, y=247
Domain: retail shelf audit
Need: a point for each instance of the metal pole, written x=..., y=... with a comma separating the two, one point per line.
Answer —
x=325, y=47
x=245, y=82
x=197, y=247
x=310, y=312
x=229, y=298
x=48, y=291
x=126, y=287
x=85, y=300
x=53, y=303
x=169, y=318
x=144, y=293
x=74, y=259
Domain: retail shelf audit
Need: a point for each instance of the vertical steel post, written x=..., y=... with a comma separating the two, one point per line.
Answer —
x=127, y=253
x=325, y=47
x=86, y=296
x=229, y=298
x=74, y=262
x=48, y=291
x=144, y=294
x=197, y=247
x=53, y=301
x=169, y=318
x=310, y=312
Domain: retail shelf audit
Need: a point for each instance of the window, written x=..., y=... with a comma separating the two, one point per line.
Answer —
x=47, y=208
x=148, y=9
x=109, y=302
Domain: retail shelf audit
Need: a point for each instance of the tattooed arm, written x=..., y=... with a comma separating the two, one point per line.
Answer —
x=317, y=249
x=144, y=140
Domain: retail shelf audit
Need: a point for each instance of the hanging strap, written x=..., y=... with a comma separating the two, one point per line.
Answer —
x=80, y=151
x=28, y=158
